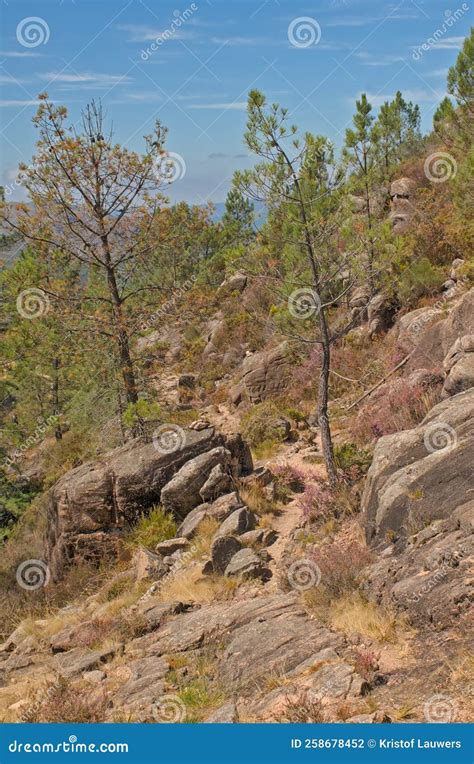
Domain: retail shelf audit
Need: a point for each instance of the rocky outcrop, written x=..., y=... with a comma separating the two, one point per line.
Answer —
x=401, y=204
x=266, y=373
x=421, y=475
x=459, y=366
x=182, y=493
x=430, y=336
x=431, y=577
x=91, y=506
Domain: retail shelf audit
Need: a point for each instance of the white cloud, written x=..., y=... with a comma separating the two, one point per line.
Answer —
x=242, y=41
x=234, y=105
x=17, y=102
x=384, y=59
x=8, y=79
x=448, y=43
x=143, y=33
x=438, y=73
x=87, y=79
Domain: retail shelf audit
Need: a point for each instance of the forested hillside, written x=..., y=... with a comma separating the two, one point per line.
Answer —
x=237, y=452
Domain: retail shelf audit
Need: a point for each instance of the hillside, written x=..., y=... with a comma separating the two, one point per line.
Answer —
x=237, y=475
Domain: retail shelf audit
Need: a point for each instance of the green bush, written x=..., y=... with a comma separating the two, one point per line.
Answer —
x=420, y=279
x=349, y=455
x=263, y=425
x=155, y=527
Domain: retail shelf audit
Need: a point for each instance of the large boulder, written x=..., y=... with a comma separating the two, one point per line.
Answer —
x=422, y=474
x=401, y=204
x=266, y=373
x=431, y=336
x=92, y=505
x=431, y=577
x=459, y=366
x=182, y=493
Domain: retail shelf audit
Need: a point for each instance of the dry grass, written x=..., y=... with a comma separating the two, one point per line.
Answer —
x=302, y=709
x=201, y=545
x=352, y=613
x=256, y=500
x=64, y=703
x=190, y=586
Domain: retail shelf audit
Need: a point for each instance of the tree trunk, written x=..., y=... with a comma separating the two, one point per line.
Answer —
x=125, y=359
x=323, y=400
x=58, y=434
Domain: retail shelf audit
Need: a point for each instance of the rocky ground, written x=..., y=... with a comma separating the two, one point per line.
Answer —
x=237, y=618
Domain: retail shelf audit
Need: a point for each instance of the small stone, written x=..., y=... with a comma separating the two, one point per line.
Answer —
x=222, y=551
x=170, y=546
x=94, y=677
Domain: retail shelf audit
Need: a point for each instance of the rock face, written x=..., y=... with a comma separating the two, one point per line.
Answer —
x=90, y=506
x=266, y=373
x=432, y=337
x=421, y=475
x=459, y=366
x=401, y=204
x=431, y=578
x=182, y=493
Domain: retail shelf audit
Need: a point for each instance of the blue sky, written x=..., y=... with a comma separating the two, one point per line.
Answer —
x=197, y=79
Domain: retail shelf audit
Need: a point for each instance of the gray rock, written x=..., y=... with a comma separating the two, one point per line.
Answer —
x=146, y=564
x=179, y=544
x=223, y=550
x=181, y=494
x=94, y=677
x=218, y=482
x=190, y=524
x=266, y=373
x=429, y=577
x=219, y=510
x=235, y=283
x=226, y=714
x=78, y=660
x=420, y=475
x=262, y=536
x=92, y=505
x=247, y=564
x=240, y=521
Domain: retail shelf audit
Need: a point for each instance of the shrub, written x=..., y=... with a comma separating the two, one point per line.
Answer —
x=263, y=424
x=303, y=709
x=420, y=278
x=349, y=455
x=155, y=527
x=63, y=703
x=340, y=564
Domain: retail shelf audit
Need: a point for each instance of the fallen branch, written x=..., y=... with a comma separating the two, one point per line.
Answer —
x=369, y=392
